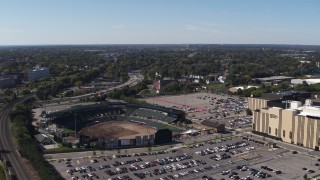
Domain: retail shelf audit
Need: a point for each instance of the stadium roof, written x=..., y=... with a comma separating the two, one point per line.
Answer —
x=273, y=78
x=308, y=81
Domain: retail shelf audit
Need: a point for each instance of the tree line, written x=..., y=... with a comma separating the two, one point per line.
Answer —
x=241, y=64
x=23, y=132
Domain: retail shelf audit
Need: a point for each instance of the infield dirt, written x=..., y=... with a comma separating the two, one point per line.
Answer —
x=117, y=129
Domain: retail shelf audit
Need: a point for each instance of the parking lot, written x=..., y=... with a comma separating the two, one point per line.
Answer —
x=226, y=109
x=234, y=158
x=240, y=122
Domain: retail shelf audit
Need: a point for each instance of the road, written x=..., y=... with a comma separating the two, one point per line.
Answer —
x=8, y=145
x=135, y=78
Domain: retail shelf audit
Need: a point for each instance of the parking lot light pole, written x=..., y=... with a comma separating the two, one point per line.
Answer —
x=284, y=167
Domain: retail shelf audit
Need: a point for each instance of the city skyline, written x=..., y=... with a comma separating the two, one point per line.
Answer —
x=159, y=22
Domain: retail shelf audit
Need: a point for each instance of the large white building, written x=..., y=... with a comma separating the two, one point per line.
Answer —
x=307, y=81
x=38, y=72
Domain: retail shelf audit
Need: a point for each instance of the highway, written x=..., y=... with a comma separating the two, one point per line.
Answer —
x=135, y=78
x=7, y=143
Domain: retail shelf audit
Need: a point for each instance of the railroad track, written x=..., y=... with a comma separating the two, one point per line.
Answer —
x=7, y=143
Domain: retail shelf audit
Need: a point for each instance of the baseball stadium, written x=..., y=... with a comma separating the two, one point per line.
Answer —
x=119, y=125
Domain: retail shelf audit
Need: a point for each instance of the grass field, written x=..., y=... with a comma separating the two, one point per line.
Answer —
x=2, y=173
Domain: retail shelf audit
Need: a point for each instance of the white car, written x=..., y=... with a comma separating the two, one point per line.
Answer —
x=93, y=161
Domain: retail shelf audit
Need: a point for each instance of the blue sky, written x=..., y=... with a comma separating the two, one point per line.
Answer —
x=34, y=22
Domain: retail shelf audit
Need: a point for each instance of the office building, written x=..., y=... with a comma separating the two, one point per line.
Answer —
x=38, y=72
x=7, y=82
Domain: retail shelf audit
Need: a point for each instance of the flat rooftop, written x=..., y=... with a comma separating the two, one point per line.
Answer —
x=280, y=94
x=274, y=78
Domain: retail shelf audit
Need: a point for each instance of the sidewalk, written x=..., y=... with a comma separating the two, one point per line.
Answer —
x=285, y=145
x=182, y=143
x=102, y=153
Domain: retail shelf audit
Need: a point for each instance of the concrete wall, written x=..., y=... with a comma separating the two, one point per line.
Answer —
x=275, y=119
x=256, y=103
x=288, y=124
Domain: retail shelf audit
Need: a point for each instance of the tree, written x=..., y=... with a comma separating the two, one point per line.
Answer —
x=23, y=133
x=249, y=112
x=69, y=93
x=172, y=88
x=145, y=93
x=25, y=91
x=79, y=84
x=8, y=92
x=240, y=92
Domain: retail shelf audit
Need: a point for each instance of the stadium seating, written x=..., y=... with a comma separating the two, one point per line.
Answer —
x=147, y=122
x=87, y=115
x=152, y=114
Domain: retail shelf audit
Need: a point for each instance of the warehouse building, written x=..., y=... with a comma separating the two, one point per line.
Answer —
x=214, y=126
x=274, y=79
